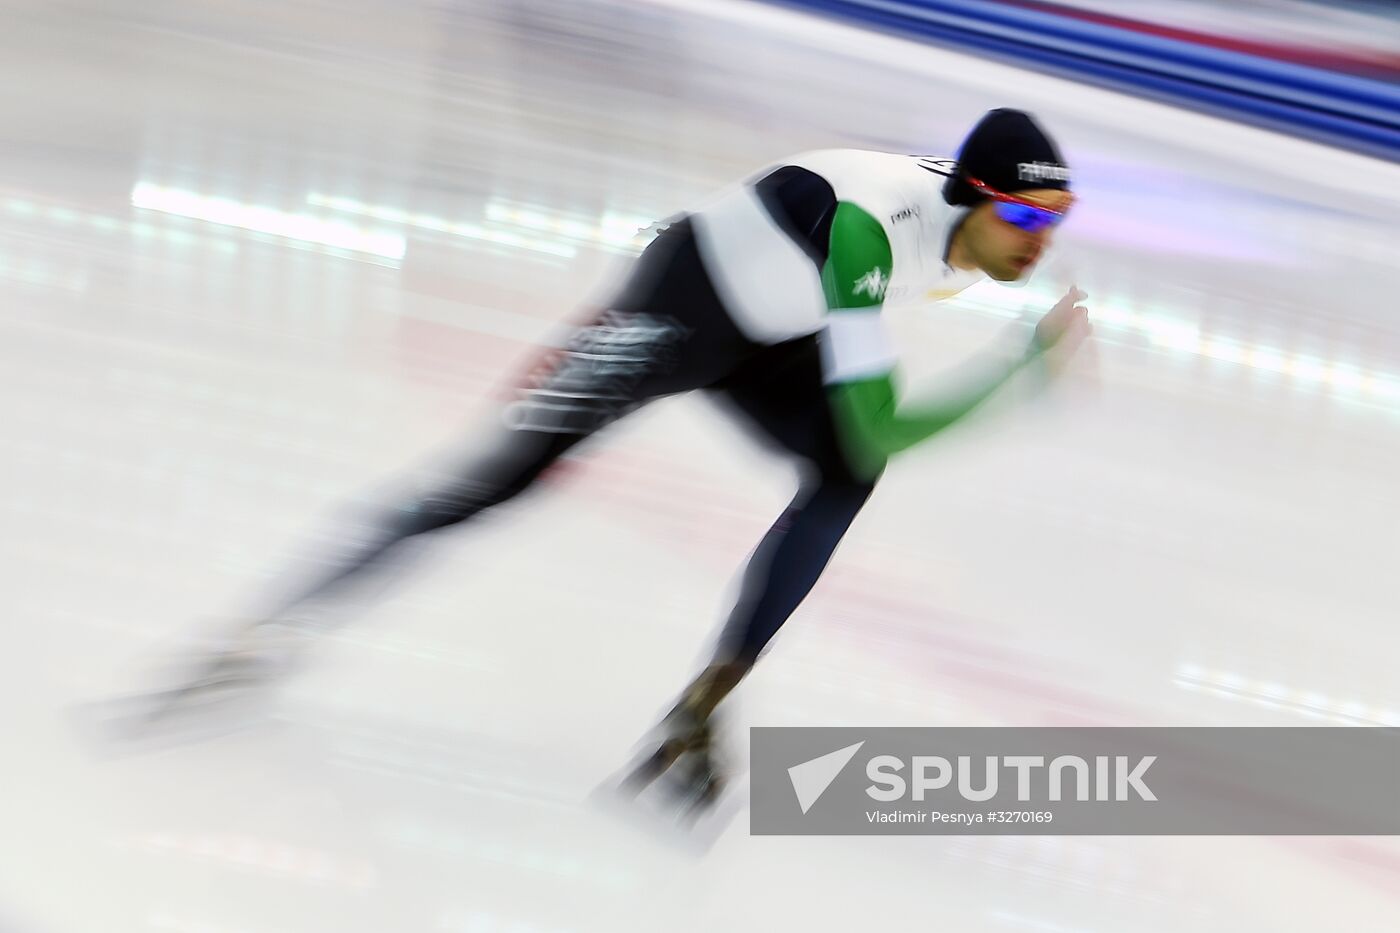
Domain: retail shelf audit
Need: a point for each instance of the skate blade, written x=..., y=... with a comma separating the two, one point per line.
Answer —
x=166, y=718
x=670, y=812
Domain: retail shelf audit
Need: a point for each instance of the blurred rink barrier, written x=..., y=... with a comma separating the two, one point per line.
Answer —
x=1326, y=72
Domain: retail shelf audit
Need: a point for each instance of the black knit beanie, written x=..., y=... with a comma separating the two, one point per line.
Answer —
x=1009, y=151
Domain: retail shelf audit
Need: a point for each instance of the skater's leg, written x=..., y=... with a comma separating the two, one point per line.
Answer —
x=782, y=400
x=515, y=461
x=786, y=565
x=781, y=396
x=260, y=650
x=664, y=333
x=779, y=575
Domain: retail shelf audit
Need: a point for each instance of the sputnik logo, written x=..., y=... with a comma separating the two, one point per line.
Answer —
x=811, y=778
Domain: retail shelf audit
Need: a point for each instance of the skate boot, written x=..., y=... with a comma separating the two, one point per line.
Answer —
x=233, y=670
x=681, y=731
x=681, y=768
x=687, y=732
x=696, y=778
x=251, y=658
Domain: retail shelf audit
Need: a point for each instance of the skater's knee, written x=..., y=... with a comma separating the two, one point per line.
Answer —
x=484, y=486
x=833, y=494
x=832, y=478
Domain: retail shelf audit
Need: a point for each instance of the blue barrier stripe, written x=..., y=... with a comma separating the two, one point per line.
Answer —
x=1359, y=97
x=977, y=13
x=1327, y=117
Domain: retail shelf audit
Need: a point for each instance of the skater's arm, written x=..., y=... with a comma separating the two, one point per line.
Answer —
x=859, y=363
x=875, y=423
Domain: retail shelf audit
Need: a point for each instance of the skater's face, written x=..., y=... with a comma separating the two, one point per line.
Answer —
x=1004, y=251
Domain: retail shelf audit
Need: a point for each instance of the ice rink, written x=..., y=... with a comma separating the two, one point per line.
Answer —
x=1196, y=526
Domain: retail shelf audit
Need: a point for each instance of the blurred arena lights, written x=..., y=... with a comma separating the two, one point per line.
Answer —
x=1272, y=695
x=261, y=219
x=472, y=231
x=1117, y=323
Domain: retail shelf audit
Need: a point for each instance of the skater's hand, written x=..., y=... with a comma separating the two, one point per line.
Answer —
x=1065, y=325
